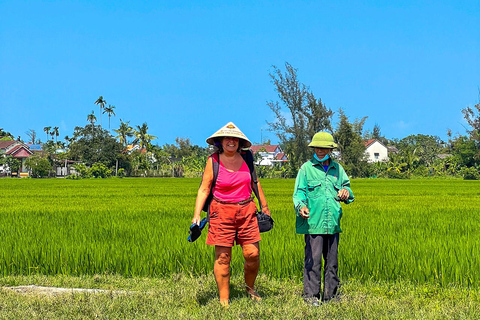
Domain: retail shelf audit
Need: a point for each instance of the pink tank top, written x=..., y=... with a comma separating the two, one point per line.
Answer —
x=233, y=186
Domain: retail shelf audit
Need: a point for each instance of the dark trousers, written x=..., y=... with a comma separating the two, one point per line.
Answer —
x=316, y=246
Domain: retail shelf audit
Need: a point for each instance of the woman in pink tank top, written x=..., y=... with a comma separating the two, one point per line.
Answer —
x=232, y=210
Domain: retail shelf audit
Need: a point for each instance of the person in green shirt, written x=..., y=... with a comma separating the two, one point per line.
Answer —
x=320, y=186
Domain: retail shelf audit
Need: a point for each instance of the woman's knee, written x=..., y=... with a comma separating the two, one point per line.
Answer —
x=223, y=258
x=251, y=253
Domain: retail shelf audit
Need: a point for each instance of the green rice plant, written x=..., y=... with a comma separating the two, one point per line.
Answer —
x=420, y=230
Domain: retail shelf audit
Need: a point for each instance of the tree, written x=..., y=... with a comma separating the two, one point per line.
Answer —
x=56, y=133
x=472, y=116
x=100, y=102
x=92, y=119
x=425, y=147
x=32, y=135
x=306, y=116
x=4, y=135
x=352, y=148
x=376, y=132
x=109, y=111
x=40, y=166
x=93, y=144
x=13, y=164
x=183, y=148
x=47, y=131
x=465, y=151
x=395, y=166
x=142, y=137
x=124, y=132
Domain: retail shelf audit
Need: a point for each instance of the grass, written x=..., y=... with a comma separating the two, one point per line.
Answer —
x=185, y=297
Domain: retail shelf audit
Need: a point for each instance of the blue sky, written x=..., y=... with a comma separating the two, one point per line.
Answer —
x=188, y=67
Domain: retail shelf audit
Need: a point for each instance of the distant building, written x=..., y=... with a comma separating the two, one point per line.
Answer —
x=135, y=147
x=17, y=150
x=376, y=150
x=35, y=148
x=269, y=154
x=392, y=149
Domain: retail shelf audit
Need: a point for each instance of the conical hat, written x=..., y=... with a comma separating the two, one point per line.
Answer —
x=229, y=130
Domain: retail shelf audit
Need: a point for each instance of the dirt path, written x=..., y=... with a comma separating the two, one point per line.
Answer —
x=32, y=289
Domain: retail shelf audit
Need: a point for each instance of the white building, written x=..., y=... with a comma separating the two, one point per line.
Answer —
x=270, y=154
x=376, y=151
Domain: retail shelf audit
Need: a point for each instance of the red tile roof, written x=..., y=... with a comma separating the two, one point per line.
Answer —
x=268, y=148
x=369, y=142
x=19, y=152
x=6, y=144
x=12, y=150
x=279, y=156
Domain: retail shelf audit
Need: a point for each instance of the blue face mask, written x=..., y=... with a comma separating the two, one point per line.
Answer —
x=324, y=158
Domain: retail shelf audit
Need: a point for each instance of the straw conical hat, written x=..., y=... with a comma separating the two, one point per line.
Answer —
x=229, y=130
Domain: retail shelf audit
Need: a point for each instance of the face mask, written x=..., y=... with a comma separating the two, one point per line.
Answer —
x=324, y=158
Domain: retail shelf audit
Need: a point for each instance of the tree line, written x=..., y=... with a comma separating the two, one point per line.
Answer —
x=415, y=155
x=298, y=116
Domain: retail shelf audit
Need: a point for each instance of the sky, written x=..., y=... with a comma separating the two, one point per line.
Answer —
x=186, y=68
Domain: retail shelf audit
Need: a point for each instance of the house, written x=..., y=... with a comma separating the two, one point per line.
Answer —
x=269, y=154
x=17, y=150
x=376, y=151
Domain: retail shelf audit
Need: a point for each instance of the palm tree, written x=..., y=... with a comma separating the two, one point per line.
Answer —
x=109, y=111
x=47, y=131
x=56, y=133
x=91, y=118
x=142, y=136
x=124, y=132
x=101, y=103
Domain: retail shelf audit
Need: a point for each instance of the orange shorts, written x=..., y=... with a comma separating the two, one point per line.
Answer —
x=230, y=223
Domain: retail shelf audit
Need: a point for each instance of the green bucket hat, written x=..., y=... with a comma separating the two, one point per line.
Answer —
x=322, y=140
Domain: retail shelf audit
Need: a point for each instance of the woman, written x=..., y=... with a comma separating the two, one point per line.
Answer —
x=232, y=211
x=320, y=186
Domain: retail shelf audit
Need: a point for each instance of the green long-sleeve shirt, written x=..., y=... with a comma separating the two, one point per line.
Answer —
x=316, y=190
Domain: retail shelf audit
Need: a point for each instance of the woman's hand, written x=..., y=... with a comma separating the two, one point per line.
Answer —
x=266, y=210
x=343, y=194
x=304, y=213
x=196, y=219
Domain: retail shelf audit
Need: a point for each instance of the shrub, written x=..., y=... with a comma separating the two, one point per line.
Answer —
x=82, y=170
x=121, y=173
x=421, y=171
x=393, y=174
x=470, y=173
x=40, y=167
x=99, y=170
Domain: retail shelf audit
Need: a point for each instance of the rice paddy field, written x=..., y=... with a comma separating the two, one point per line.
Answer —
x=424, y=231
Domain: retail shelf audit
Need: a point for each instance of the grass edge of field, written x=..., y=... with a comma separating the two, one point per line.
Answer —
x=183, y=296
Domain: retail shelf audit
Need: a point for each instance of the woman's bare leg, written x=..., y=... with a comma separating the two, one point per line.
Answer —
x=221, y=270
x=251, y=253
